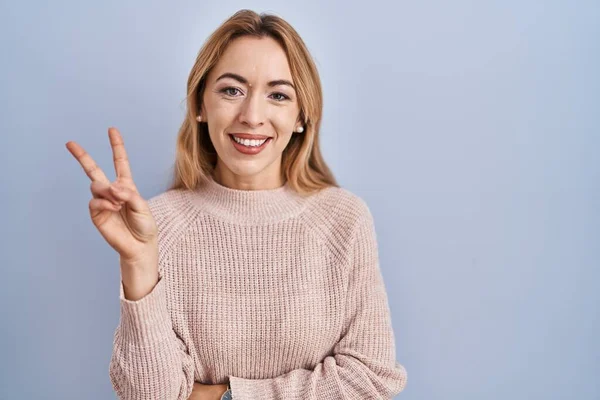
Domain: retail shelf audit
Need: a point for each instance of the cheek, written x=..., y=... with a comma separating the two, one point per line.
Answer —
x=221, y=118
x=283, y=139
x=220, y=111
x=224, y=112
x=283, y=123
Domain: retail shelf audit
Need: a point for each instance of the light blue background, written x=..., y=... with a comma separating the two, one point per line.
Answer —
x=470, y=128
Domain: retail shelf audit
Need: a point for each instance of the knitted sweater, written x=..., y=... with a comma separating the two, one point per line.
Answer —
x=279, y=294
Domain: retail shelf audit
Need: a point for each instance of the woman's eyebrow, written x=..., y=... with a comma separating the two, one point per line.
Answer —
x=243, y=80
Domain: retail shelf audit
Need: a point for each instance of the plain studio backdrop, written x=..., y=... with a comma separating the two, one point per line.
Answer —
x=471, y=129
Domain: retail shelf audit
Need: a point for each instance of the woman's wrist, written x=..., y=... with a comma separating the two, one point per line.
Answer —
x=226, y=393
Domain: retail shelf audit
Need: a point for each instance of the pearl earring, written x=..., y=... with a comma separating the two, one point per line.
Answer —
x=199, y=118
x=300, y=129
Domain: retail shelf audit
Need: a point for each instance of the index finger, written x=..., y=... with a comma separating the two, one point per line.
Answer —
x=90, y=167
x=119, y=154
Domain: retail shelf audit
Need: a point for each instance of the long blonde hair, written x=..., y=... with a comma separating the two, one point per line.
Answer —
x=303, y=166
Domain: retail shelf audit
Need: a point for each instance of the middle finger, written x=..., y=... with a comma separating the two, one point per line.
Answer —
x=122, y=168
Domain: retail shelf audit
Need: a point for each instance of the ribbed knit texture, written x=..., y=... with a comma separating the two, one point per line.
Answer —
x=279, y=294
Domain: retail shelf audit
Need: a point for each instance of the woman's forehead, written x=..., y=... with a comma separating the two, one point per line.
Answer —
x=257, y=60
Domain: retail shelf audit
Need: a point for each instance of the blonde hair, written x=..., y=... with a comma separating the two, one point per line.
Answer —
x=303, y=166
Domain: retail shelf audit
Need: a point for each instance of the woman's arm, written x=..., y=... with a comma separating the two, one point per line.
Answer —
x=207, y=392
x=363, y=364
x=149, y=361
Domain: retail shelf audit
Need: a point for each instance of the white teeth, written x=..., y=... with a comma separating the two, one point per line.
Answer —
x=250, y=143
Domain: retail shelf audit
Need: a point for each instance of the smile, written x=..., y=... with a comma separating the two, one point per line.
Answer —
x=250, y=147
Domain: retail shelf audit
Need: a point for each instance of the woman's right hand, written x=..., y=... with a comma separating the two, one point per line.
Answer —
x=117, y=209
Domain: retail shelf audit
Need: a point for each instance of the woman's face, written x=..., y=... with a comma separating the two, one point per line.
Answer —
x=250, y=91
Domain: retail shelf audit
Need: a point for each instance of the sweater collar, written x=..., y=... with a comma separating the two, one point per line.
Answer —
x=247, y=206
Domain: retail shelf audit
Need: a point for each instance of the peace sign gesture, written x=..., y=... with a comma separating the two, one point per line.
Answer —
x=118, y=211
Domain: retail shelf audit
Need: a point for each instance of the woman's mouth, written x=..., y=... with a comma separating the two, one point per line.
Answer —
x=251, y=147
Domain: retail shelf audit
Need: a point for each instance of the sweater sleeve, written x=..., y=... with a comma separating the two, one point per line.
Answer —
x=363, y=364
x=149, y=361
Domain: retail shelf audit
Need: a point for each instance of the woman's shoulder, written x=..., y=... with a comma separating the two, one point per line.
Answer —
x=334, y=215
x=340, y=203
x=167, y=204
x=172, y=212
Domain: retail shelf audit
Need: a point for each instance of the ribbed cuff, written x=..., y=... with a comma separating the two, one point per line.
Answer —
x=248, y=388
x=146, y=322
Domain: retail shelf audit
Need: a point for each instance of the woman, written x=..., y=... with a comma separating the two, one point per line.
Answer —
x=255, y=270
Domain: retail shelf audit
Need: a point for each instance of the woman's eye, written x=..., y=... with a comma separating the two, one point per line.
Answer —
x=230, y=91
x=283, y=96
x=234, y=92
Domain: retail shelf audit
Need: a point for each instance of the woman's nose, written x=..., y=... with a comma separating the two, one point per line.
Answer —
x=252, y=112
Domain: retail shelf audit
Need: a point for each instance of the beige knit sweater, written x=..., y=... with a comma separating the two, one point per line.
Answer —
x=280, y=295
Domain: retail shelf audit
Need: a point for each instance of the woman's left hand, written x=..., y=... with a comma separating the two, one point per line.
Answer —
x=207, y=392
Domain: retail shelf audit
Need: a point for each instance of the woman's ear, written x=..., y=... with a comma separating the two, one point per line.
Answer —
x=201, y=115
x=299, y=125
